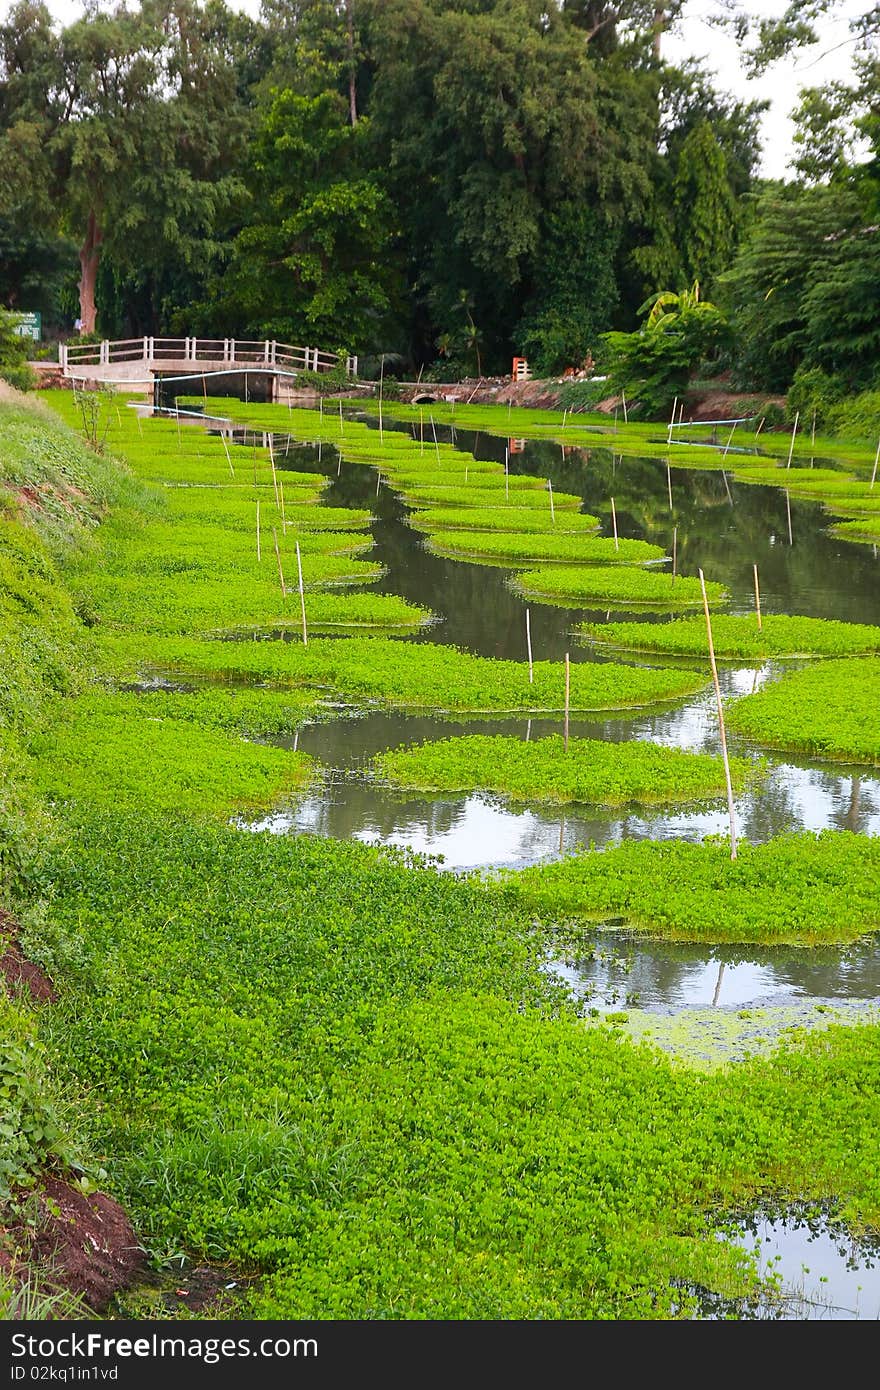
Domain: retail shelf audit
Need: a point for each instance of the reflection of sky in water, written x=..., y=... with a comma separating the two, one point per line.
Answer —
x=825, y=1275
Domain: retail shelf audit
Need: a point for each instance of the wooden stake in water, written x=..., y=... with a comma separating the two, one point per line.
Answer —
x=671, y=422
x=614, y=524
x=552, y=508
x=623, y=403
x=506, y=475
x=757, y=597
x=228, y=458
x=729, y=437
x=720, y=718
x=421, y=431
x=274, y=475
x=278, y=558
x=797, y=416
x=259, y=556
x=674, y=552
x=669, y=483
x=567, y=700
x=283, y=517
x=876, y=461
x=529, y=647
x=760, y=425
x=302, y=595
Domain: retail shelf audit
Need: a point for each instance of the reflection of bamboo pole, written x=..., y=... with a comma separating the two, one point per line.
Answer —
x=614, y=524
x=674, y=552
x=552, y=507
x=562, y=832
x=529, y=647
x=302, y=595
x=259, y=556
x=788, y=514
x=278, y=558
x=669, y=483
x=506, y=476
x=757, y=597
x=567, y=698
x=797, y=416
x=720, y=718
x=717, y=995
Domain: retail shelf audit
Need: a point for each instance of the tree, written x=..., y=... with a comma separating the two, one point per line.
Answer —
x=654, y=365
x=312, y=265
x=124, y=129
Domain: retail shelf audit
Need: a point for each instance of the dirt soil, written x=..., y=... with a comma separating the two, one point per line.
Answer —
x=18, y=973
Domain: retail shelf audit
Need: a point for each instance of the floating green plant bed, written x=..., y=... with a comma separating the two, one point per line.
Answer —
x=537, y=499
x=241, y=709
x=523, y=549
x=621, y=587
x=828, y=711
x=236, y=510
x=100, y=752
x=523, y=520
x=798, y=889
x=590, y=770
x=419, y=676
x=737, y=637
x=194, y=601
x=865, y=529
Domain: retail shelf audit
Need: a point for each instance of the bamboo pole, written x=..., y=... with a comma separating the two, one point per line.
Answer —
x=729, y=438
x=228, y=457
x=614, y=524
x=623, y=403
x=552, y=507
x=274, y=475
x=674, y=552
x=529, y=647
x=757, y=596
x=283, y=517
x=259, y=554
x=760, y=426
x=671, y=422
x=720, y=718
x=421, y=431
x=797, y=416
x=341, y=426
x=567, y=700
x=302, y=595
x=876, y=461
x=278, y=558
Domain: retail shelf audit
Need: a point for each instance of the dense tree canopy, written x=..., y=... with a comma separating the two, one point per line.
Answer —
x=438, y=181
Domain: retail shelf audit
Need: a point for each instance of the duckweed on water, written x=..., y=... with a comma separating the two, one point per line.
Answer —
x=402, y=675
x=615, y=587
x=737, y=637
x=797, y=889
x=523, y=549
x=828, y=711
x=591, y=770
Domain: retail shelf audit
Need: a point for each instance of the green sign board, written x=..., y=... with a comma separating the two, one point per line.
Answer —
x=29, y=326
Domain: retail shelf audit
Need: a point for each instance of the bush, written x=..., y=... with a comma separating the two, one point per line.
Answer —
x=14, y=354
x=857, y=418
x=584, y=395
x=814, y=394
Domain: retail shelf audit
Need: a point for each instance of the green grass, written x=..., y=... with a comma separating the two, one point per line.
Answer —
x=617, y=587
x=798, y=889
x=736, y=636
x=828, y=711
x=100, y=750
x=403, y=675
x=524, y=549
x=595, y=771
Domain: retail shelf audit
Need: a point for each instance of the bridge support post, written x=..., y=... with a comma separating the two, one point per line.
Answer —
x=104, y=355
x=146, y=353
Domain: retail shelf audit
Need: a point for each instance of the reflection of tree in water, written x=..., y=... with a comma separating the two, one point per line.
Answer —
x=855, y=800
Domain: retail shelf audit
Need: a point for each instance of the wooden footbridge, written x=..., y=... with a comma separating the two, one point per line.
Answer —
x=139, y=364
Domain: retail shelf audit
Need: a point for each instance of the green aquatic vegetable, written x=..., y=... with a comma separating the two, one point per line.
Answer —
x=827, y=711
x=617, y=587
x=596, y=771
x=737, y=637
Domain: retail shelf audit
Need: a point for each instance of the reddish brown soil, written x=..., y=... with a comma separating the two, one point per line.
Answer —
x=77, y=1244
x=19, y=973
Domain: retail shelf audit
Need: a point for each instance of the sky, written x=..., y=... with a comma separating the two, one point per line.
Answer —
x=829, y=61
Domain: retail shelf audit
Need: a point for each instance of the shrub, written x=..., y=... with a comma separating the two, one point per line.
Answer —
x=813, y=395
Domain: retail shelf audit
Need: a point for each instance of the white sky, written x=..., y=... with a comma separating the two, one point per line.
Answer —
x=829, y=61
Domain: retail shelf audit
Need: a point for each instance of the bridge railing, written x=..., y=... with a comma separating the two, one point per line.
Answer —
x=229, y=352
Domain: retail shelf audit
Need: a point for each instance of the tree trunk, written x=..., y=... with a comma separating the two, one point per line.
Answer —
x=352, y=91
x=658, y=26
x=89, y=256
